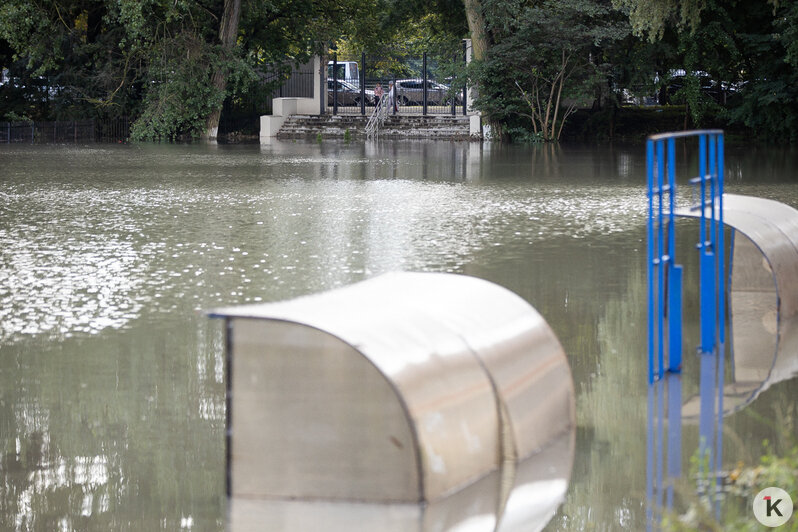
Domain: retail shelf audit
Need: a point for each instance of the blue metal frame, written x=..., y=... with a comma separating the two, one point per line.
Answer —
x=664, y=275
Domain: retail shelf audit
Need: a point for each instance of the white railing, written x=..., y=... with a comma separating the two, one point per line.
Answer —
x=377, y=117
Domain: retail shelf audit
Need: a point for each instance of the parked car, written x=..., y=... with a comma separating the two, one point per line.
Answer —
x=411, y=91
x=348, y=94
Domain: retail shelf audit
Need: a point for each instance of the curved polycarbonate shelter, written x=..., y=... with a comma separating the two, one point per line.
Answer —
x=763, y=297
x=404, y=388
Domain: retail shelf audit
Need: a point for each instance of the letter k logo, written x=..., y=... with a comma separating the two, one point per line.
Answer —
x=773, y=506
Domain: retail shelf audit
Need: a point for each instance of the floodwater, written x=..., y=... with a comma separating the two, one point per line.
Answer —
x=112, y=393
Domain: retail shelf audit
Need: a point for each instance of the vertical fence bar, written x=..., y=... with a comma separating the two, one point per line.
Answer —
x=706, y=260
x=650, y=258
x=424, y=81
x=453, y=95
x=721, y=354
x=335, y=84
x=661, y=262
x=363, y=83
x=465, y=85
x=674, y=271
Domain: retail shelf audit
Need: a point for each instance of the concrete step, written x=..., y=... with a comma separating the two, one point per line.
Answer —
x=395, y=126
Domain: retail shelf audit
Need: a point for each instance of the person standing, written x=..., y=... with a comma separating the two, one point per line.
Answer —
x=378, y=93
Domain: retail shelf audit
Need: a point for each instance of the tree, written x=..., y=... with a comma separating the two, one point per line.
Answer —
x=169, y=64
x=748, y=49
x=228, y=32
x=651, y=17
x=547, y=59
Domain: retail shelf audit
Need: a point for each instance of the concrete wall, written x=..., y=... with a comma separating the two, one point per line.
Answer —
x=282, y=108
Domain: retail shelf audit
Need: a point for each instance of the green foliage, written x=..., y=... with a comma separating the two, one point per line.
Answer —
x=651, y=17
x=155, y=61
x=548, y=58
x=741, y=485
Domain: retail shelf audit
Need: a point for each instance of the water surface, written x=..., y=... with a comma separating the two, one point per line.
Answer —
x=112, y=379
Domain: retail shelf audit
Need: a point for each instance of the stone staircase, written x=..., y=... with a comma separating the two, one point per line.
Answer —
x=443, y=127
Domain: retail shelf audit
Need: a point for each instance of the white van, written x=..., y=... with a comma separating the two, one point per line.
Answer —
x=347, y=70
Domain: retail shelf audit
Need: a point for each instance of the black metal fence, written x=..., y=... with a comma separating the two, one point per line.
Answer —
x=242, y=113
x=422, y=88
x=112, y=130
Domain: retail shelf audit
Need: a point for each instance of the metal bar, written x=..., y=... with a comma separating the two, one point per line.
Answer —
x=650, y=261
x=687, y=133
x=713, y=238
x=465, y=85
x=661, y=265
x=672, y=196
x=702, y=165
x=452, y=95
x=674, y=272
x=424, y=81
x=675, y=318
x=363, y=83
x=335, y=84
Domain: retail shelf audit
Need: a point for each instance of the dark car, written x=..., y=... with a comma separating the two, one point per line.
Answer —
x=411, y=91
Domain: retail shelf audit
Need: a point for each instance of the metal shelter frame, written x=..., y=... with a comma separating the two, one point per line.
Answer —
x=664, y=274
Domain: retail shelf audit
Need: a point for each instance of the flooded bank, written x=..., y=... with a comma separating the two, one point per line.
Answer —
x=112, y=380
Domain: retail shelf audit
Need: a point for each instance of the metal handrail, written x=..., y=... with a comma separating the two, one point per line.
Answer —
x=377, y=117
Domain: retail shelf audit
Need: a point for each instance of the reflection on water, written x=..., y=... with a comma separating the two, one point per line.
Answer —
x=112, y=383
x=522, y=497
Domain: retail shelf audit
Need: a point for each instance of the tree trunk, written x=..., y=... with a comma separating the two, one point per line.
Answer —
x=228, y=31
x=476, y=25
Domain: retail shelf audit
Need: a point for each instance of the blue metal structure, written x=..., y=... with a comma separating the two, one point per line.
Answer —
x=665, y=317
x=664, y=275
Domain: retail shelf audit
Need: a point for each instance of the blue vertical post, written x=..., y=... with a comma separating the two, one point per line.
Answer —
x=674, y=271
x=675, y=319
x=662, y=260
x=707, y=289
x=650, y=258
